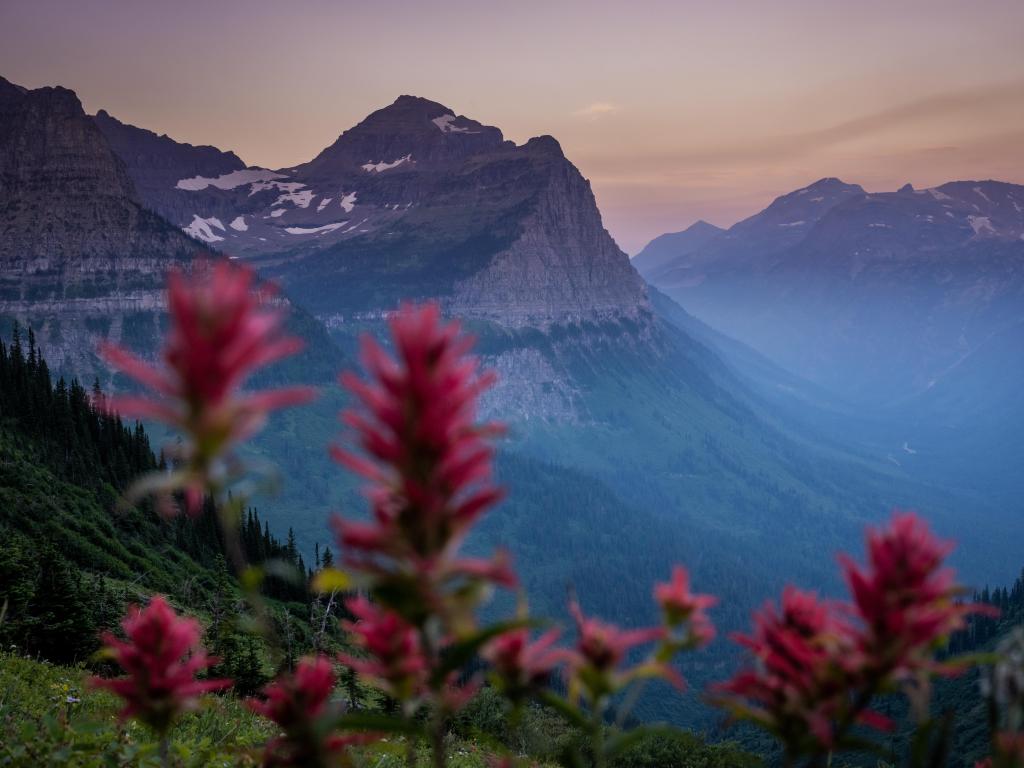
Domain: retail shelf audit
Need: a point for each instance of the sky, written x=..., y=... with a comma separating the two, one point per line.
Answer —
x=675, y=111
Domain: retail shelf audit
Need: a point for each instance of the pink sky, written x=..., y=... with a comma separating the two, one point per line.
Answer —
x=674, y=110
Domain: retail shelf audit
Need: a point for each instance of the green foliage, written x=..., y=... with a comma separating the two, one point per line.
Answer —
x=73, y=554
x=50, y=717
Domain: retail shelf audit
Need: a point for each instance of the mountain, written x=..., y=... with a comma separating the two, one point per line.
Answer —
x=673, y=245
x=417, y=202
x=907, y=307
x=756, y=242
x=77, y=243
x=881, y=297
x=85, y=259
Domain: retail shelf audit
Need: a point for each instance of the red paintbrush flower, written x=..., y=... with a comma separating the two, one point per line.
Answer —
x=683, y=610
x=800, y=684
x=428, y=462
x=300, y=704
x=521, y=666
x=905, y=598
x=161, y=656
x=395, y=660
x=600, y=650
x=222, y=331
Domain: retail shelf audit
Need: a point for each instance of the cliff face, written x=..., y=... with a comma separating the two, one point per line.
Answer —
x=563, y=266
x=78, y=249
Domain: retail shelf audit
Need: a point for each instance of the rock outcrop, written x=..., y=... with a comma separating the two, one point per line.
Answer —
x=79, y=251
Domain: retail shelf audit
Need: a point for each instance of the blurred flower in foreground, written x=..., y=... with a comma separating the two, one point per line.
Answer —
x=818, y=665
x=684, y=612
x=907, y=601
x=522, y=667
x=600, y=650
x=162, y=656
x=222, y=330
x=396, y=663
x=428, y=464
x=798, y=686
x=300, y=704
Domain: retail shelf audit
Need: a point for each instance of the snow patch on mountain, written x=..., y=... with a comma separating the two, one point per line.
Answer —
x=981, y=225
x=202, y=229
x=445, y=123
x=372, y=167
x=323, y=204
x=281, y=186
x=315, y=230
x=238, y=224
x=348, y=202
x=228, y=180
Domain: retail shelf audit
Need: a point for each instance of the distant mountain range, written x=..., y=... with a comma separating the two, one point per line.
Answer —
x=879, y=297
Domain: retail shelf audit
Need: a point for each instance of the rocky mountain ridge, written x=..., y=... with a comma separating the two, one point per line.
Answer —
x=880, y=297
x=413, y=202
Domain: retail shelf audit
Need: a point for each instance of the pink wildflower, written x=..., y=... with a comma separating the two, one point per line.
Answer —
x=600, y=650
x=522, y=666
x=683, y=609
x=429, y=464
x=798, y=686
x=299, y=703
x=396, y=662
x=905, y=598
x=221, y=332
x=161, y=656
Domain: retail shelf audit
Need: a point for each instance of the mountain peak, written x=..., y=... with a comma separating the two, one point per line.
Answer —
x=416, y=131
x=7, y=88
x=701, y=226
x=831, y=184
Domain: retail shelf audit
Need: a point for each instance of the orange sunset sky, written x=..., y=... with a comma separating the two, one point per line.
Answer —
x=674, y=110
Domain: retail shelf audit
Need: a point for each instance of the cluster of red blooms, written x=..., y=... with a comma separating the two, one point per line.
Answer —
x=427, y=461
x=299, y=703
x=819, y=663
x=161, y=657
x=222, y=330
x=396, y=663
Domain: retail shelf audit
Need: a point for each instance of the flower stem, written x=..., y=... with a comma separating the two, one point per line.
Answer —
x=437, y=742
x=165, y=756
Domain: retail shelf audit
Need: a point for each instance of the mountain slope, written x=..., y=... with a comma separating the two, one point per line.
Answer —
x=878, y=299
x=156, y=163
x=673, y=245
